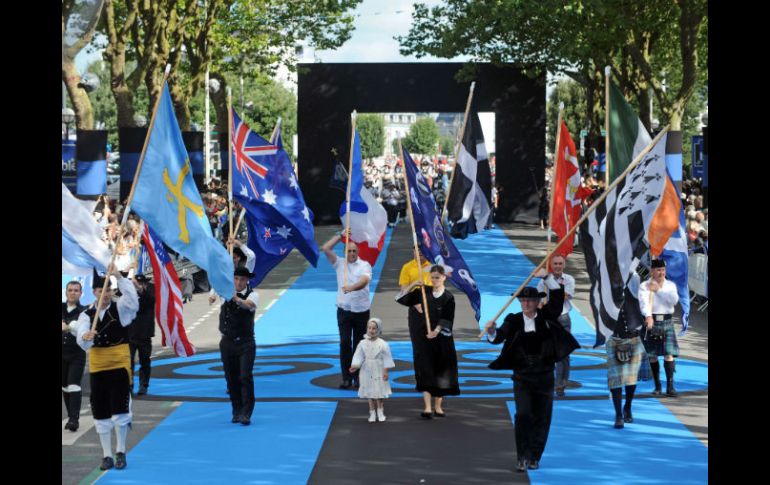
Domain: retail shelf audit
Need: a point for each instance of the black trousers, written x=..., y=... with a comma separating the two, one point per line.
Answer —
x=352, y=327
x=72, y=366
x=533, y=393
x=238, y=360
x=392, y=211
x=144, y=348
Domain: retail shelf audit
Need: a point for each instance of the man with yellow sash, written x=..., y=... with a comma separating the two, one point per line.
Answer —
x=110, y=364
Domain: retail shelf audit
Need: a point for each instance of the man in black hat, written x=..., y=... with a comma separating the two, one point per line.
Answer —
x=109, y=363
x=237, y=346
x=73, y=358
x=141, y=331
x=534, y=342
x=658, y=298
x=242, y=256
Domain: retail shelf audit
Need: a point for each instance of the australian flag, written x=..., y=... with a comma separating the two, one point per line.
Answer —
x=265, y=184
x=436, y=245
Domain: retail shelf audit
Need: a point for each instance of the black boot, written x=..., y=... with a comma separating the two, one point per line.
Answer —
x=73, y=410
x=655, y=367
x=617, y=398
x=627, y=417
x=670, y=367
x=66, y=396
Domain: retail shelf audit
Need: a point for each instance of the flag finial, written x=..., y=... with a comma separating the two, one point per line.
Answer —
x=607, y=71
x=561, y=105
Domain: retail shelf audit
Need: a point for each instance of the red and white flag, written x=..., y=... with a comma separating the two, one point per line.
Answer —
x=168, y=296
x=568, y=191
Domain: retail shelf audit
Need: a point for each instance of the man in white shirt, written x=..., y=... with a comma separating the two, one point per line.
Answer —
x=353, y=304
x=658, y=298
x=559, y=276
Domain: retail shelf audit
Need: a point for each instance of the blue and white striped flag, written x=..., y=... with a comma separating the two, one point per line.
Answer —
x=675, y=255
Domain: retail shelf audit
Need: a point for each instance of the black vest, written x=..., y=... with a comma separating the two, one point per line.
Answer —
x=109, y=331
x=236, y=322
x=143, y=326
x=68, y=341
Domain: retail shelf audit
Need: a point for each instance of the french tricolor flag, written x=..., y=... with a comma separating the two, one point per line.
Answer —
x=368, y=218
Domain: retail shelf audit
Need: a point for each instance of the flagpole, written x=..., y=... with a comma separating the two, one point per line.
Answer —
x=607, y=126
x=240, y=219
x=458, y=143
x=275, y=130
x=230, y=164
x=593, y=206
x=350, y=181
x=414, y=241
x=555, y=173
x=130, y=198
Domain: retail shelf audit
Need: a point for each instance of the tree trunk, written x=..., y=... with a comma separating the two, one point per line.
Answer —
x=181, y=107
x=84, y=114
x=219, y=102
x=645, y=115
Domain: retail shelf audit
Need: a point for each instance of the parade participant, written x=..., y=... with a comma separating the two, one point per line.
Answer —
x=237, y=346
x=626, y=356
x=657, y=299
x=73, y=358
x=141, y=331
x=557, y=264
x=534, y=341
x=352, y=304
x=434, y=355
x=109, y=364
x=242, y=256
x=411, y=273
x=373, y=358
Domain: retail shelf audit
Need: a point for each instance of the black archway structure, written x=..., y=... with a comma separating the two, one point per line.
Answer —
x=328, y=93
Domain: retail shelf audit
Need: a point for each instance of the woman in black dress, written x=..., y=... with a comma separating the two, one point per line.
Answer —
x=434, y=355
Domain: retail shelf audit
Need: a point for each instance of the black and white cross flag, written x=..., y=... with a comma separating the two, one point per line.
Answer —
x=470, y=198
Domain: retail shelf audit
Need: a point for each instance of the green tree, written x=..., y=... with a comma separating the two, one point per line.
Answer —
x=78, y=26
x=447, y=145
x=422, y=138
x=371, y=130
x=573, y=96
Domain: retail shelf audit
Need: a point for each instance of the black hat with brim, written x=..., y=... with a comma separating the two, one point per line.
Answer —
x=531, y=293
x=658, y=263
x=98, y=281
x=243, y=271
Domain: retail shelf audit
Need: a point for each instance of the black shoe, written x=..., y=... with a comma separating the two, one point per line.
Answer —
x=245, y=420
x=120, y=460
x=560, y=392
x=72, y=425
x=627, y=417
x=426, y=415
x=618, y=423
x=670, y=391
x=657, y=391
x=107, y=463
x=142, y=390
x=236, y=418
x=439, y=415
x=521, y=466
x=533, y=465
x=346, y=384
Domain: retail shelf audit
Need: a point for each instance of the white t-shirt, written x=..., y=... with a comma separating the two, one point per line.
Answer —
x=355, y=301
x=569, y=289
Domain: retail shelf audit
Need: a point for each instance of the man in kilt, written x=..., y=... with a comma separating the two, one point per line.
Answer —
x=657, y=299
x=626, y=356
x=109, y=364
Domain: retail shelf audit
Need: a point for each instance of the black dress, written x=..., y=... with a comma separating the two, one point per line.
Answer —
x=435, y=360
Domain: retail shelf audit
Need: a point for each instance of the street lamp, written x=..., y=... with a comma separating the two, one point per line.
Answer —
x=67, y=117
x=140, y=120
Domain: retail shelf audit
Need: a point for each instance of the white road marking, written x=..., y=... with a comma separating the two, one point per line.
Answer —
x=68, y=438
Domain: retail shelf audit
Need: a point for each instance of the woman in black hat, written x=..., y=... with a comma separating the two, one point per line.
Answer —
x=534, y=342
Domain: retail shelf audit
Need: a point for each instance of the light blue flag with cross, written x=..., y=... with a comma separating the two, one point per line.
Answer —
x=167, y=199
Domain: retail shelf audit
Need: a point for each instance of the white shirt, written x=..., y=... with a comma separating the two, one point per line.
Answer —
x=251, y=258
x=569, y=288
x=253, y=297
x=663, y=301
x=529, y=323
x=355, y=301
x=128, y=305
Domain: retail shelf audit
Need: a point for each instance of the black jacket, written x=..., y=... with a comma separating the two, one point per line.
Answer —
x=143, y=326
x=560, y=344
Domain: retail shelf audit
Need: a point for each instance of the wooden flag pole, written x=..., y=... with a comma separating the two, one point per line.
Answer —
x=275, y=130
x=593, y=206
x=458, y=143
x=414, y=241
x=130, y=198
x=607, y=126
x=347, y=200
x=230, y=164
x=554, y=174
x=240, y=219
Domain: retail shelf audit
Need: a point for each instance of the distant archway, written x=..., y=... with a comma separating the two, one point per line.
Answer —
x=328, y=93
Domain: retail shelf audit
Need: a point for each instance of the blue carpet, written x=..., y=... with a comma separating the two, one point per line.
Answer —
x=197, y=444
x=307, y=311
x=583, y=447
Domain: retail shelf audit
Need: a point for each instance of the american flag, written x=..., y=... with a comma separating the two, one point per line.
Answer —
x=168, y=295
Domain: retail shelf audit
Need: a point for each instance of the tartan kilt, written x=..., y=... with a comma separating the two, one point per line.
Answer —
x=620, y=374
x=667, y=346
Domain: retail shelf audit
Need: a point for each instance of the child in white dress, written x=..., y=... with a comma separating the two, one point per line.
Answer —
x=374, y=359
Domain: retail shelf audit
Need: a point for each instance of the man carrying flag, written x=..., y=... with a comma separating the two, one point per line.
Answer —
x=166, y=198
x=470, y=194
x=265, y=184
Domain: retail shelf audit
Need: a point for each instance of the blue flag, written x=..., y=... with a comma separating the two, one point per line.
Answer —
x=437, y=246
x=167, y=199
x=265, y=184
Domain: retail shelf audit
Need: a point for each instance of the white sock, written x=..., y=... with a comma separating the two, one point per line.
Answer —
x=121, y=432
x=104, y=438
